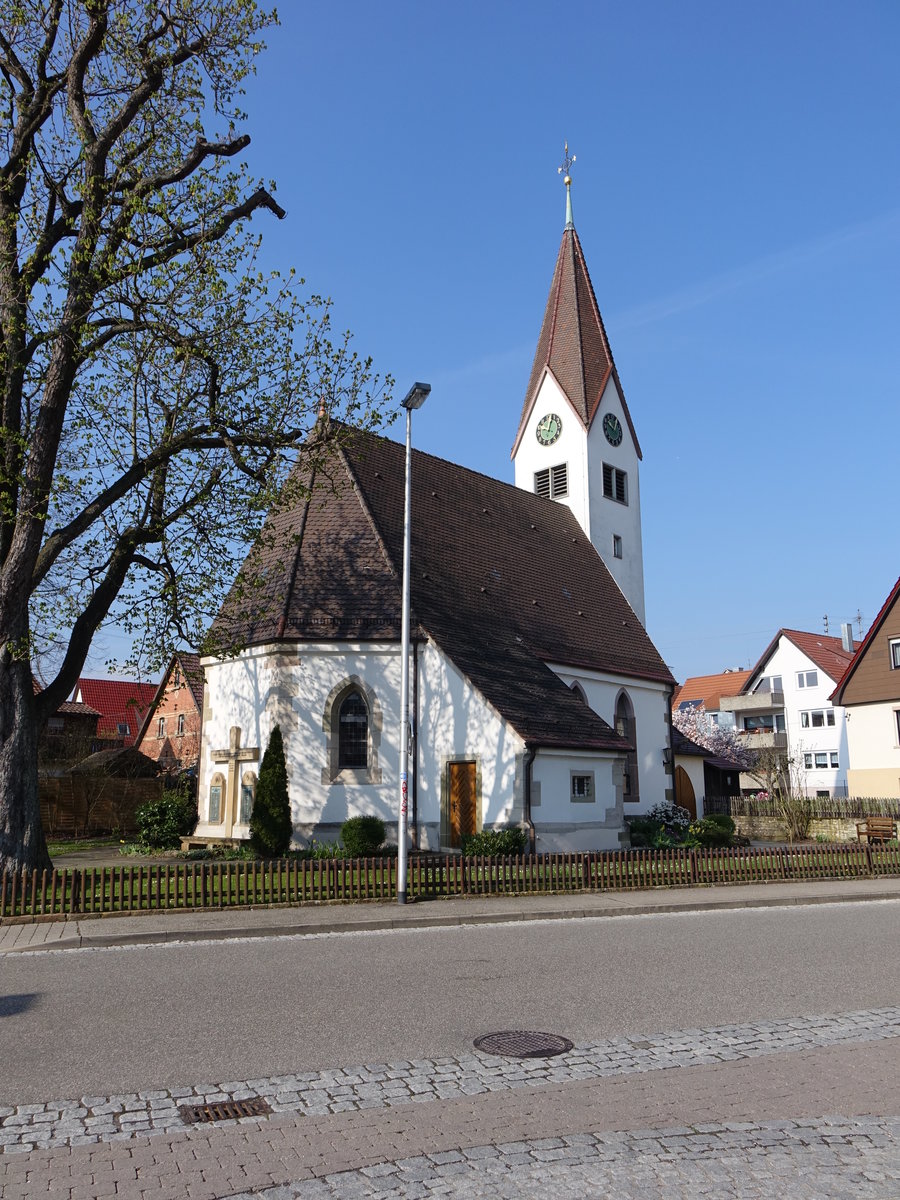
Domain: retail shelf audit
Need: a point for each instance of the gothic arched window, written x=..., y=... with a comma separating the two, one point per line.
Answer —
x=353, y=731
x=625, y=727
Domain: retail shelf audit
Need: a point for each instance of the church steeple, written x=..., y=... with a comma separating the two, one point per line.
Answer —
x=576, y=442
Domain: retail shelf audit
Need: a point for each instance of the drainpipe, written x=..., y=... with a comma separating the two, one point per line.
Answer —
x=529, y=824
x=414, y=722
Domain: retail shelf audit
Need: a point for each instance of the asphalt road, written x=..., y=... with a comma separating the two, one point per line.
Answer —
x=96, y=1022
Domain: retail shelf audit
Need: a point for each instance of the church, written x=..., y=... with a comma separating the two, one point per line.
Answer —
x=537, y=698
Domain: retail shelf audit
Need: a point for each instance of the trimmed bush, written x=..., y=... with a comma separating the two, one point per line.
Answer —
x=714, y=830
x=270, y=821
x=164, y=822
x=362, y=836
x=494, y=842
x=642, y=832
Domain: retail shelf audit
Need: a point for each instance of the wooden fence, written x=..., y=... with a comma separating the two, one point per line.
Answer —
x=134, y=889
x=853, y=808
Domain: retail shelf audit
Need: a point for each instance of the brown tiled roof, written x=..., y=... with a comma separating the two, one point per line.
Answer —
x=573, y=344
x=710, y=688
x=837, y=696
x=826, y=652
x=502, y=580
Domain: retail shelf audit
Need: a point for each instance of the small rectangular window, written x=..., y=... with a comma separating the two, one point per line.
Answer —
x=542, y=483
x=804, y=720
x=818, y=720
x=807, y=761
x=807, y=679
x=897, y=724
x=582, y=788
x=55, y=724
x=835, y=760
x=181, y=724
x=821, y=759
x=617, y=546
x=123, y=729
x=895, y=653
x=559, y=480
x=161, y=727
x=829, y=716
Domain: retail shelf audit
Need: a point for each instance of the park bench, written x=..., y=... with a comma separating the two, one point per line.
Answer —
x=875, y=829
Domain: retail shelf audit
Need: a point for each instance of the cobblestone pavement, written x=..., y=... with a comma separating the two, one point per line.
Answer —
x=92, y=1119
x=804, y=1160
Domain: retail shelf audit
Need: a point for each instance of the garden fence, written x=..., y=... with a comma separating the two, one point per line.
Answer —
x=213, y=885
x=823, y=808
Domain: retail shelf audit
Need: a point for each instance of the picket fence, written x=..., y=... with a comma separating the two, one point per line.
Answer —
x=213, y=885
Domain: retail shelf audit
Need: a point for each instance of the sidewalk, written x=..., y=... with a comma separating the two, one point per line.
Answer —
x=182, y=926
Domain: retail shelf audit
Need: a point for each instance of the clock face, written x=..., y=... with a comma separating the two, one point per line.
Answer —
x=612, y=427
x=548, y=429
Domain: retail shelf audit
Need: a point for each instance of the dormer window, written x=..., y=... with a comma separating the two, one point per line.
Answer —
x=552, y=482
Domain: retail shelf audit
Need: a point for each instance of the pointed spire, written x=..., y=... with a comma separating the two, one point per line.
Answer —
x=566, y=169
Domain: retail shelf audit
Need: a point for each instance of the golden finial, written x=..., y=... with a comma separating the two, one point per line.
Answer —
x=566, y=166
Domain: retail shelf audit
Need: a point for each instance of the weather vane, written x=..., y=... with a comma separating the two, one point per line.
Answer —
x=566, y=166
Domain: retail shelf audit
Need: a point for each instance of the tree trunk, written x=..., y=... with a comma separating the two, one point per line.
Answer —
x=22, y=844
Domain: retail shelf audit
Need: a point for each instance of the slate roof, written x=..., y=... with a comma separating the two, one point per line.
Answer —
x=837, y=696
x=573, y=342
x=502, y=580
x=119, y=701
x=711, y=688
x=826, y=652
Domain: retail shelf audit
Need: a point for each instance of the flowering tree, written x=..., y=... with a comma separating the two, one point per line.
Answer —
x=696, y=724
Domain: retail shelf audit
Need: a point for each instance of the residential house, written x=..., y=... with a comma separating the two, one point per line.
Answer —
x=869, y=691
x=707, y=690
x=68, y=737
x=785, y=713
x=170, y=733
x=122, y=705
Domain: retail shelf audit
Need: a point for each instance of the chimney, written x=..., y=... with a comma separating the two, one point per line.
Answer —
x=847, y=636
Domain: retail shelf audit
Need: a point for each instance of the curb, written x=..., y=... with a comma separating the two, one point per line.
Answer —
x=92, y=941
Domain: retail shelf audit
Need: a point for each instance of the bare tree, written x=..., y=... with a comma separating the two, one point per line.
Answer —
x=155, y=387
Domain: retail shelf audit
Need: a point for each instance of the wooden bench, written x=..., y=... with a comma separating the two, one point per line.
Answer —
x=875, y=829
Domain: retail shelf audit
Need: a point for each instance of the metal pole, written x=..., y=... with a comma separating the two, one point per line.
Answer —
x=404, y=680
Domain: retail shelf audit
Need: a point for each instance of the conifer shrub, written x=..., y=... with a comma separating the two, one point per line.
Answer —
x=362, y=836
x=270, y=821
x=494, y=842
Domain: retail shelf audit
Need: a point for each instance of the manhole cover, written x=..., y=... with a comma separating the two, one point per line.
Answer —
x=519, y=1043
x=224, y=1110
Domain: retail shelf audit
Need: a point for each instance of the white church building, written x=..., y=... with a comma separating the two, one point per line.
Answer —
x=536, y=698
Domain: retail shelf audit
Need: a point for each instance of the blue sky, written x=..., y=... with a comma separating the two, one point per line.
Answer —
x=736, y=194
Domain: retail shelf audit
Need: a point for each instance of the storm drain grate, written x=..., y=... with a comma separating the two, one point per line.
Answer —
x=224, y=1110
x=519, y=1043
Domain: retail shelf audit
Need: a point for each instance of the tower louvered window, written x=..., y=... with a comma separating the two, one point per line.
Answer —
x=615, y=484
x=552, y=482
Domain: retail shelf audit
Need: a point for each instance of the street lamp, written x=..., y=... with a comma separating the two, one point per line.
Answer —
x=415, y=398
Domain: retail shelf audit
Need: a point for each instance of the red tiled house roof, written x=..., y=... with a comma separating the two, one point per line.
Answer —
x=502, y=580
x=826, y=652
x=119, y=702
x=711, y=688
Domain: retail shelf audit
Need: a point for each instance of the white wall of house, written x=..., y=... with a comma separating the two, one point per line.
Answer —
x=295, y=686
x=874, y=746
x=584, y=453
x=576, y=801
x=815, y=748
x=650, y=702
x=694, y=768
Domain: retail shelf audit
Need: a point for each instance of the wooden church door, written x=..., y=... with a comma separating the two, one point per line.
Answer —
x=684, y=792
x=463, y=801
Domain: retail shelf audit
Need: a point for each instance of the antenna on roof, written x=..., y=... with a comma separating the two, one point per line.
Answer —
x=859, y=623
x=825, y=619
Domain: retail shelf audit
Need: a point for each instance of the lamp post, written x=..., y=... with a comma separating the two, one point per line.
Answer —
x=415, y=398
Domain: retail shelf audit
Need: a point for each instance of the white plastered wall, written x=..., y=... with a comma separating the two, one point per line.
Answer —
x=874, y=749
x=569, y=448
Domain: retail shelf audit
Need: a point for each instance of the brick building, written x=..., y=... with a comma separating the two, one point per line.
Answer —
x=170, y=734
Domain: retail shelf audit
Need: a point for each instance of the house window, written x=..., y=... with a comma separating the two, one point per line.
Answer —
x=807, y=679
x=897, y=725
x=817, y=719
x=552, y=482
x=353, y=727
x=895, y=653
x=821, y=760
x=807, y=761
x=617, y=546
x=181, y=724
x=835, y=759
x=56, y=724
x=582, y=788
x=123, y=730
x=248, y=795
x=615, y=484
x=161, y=727
x=769, y=683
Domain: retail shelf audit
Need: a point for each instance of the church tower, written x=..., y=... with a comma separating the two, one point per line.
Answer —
x=576, y=442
